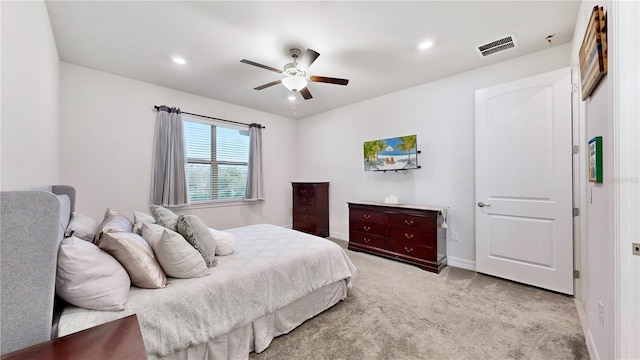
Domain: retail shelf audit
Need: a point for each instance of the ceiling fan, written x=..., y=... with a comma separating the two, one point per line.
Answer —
x=296, y=78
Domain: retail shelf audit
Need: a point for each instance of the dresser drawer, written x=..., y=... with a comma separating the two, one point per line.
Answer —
x=306, y=227
x=305, y=209
x=414, y=222
x=410, y=249
x=304, y=200
x=305, y=191
x=367, y=228
x=367, y=239
x=417, y=237
x=304, y=218
x=367, y=216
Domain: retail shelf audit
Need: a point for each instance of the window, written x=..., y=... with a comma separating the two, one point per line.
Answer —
x=217, y=161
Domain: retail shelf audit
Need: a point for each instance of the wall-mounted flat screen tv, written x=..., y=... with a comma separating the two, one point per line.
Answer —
x=398, y=153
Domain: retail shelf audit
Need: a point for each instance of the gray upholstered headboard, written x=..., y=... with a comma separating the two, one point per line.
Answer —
x=32, y=226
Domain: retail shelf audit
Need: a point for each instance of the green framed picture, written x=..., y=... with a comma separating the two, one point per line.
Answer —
x=595, y=160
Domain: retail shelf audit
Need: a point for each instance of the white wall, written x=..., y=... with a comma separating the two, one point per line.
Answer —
x=596, y=202
x=107, y=128
x=441, y=113
x=30, y=78
x=610, y=210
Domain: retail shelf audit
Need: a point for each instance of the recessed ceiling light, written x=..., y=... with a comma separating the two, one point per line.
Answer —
x=425, y=45
x=179, y=60
x=291, y=98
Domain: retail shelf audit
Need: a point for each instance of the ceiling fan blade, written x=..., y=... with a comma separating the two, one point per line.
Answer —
x=305, y=93
x=267, y=85
x=307, y=59
x=330, y=80
x=260, y=65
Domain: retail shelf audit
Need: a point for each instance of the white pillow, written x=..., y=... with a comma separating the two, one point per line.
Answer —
x=225, y=242
x=113, y=222
x=89, y=277
x=139, y=218
x=176, y=256
x=137, y=257
x=82, y=226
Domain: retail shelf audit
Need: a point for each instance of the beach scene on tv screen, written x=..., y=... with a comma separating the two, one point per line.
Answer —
x=398, y=153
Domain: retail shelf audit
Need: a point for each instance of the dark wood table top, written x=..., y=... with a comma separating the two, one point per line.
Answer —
x=120, y=339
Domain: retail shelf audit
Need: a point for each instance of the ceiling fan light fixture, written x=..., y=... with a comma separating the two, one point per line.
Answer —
x=294, y=83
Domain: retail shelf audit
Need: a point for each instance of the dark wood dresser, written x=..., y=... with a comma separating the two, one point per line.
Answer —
x=311, y=207
x=119, y=339
x=409, y=233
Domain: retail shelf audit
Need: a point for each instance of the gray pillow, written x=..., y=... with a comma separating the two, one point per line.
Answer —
x=89, y=277
x=176, y=256
x=164, y=217
x=198, y=235
x=137, y=257
x=113, y=222
x=82, y=226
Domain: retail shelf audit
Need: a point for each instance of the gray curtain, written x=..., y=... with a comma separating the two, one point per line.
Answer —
x=255, y=186
x=169, y=177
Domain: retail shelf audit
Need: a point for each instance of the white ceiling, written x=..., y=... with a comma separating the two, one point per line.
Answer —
x=371, y=43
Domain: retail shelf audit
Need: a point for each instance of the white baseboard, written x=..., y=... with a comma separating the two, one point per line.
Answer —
x=461, y=263
x=582, y=315
x=591, y=346
x=339, y=236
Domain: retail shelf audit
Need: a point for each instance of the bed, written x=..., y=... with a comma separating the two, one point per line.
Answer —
x=275, y=280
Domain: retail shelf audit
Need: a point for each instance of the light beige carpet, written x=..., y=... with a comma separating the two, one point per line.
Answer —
x=398, y=311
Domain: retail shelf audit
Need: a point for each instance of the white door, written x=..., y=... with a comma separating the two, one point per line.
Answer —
x=523, y=181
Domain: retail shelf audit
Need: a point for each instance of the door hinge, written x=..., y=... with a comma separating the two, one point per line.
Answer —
x=576, y=149
x=576, y=212
x=574, y=88
x=576, y=274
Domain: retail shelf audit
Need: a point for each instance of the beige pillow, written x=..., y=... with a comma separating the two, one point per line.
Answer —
x=176, y=256
x=225, y=242
x=89, y=277
x=82, y=226
x=164, y=217
x=113, y=222
x=137, y=257
x=139, y=218
x=198, y=235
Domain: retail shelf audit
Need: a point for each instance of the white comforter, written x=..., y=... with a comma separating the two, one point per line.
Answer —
x=271, y=267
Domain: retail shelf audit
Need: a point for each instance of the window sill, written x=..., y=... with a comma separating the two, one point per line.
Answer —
x=217, y=203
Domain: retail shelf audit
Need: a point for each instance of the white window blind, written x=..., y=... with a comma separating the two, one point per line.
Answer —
x=217, y=161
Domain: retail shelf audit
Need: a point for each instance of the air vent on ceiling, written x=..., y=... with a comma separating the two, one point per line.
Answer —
x=492, y=47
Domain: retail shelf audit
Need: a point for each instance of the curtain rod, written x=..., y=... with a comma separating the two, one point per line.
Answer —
x=210, y=117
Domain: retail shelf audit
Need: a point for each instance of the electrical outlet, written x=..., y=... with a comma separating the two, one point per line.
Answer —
x=600, y=314
x=636, y=248
x=454, y=235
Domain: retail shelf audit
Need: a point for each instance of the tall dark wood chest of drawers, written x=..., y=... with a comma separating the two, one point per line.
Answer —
x=412, y=234
x=311, y=207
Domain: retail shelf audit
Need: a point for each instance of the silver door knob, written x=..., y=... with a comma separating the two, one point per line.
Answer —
x=481, y=204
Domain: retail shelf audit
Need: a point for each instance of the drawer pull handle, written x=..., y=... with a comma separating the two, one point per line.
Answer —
x=366, y=228
x=366, y=240
x=408, y=249
x=303, y=209
x=408, y=222
x=303, y=200
x=303, y=191
x=367, y=216
x=408, y=236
